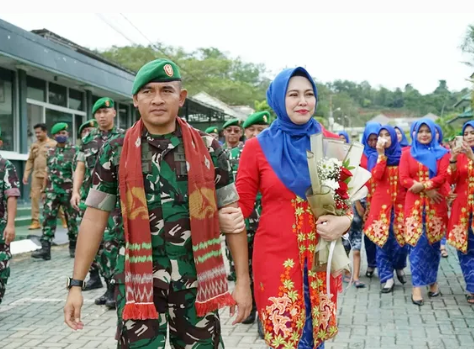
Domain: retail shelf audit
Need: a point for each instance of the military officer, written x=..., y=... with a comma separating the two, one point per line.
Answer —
x=57, y=188
x=233, y=147
x=172, y=182
x=9, y=193
x=36, y=166
x=213, y=131
x=253, y=125
x=104, y=114
x=87, y=127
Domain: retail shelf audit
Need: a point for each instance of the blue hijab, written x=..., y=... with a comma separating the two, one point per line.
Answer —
x=469, y=123
x=285, y=143
x=394, y=152
x=427, y=154
x=412, y=129
x=440, y=132
x=371, y=128
x=404, y=143
x=346, y=136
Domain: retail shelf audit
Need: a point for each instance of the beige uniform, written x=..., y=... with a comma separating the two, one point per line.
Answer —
x=36, y=164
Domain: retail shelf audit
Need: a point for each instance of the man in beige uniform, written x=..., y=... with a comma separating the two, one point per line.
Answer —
x=36, y=163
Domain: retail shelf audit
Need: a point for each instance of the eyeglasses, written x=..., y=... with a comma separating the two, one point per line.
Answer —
x=233, y=129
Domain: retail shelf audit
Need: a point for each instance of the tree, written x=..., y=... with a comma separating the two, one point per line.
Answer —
x=468, y=45
x=205, y=69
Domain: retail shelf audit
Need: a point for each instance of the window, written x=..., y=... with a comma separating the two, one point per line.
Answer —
x=95, y=99
x=54, y=116
x=34, y=117
x=36, y=89
x=76, y=99
x=79, y=119
x=123, y=116
x=6, y=109
x=57, y=95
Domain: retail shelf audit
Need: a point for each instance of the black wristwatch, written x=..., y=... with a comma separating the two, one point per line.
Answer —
x=75, y=283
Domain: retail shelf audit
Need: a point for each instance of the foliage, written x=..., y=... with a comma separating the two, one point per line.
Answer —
x=468, y=45
x=206, y=69
x=448, y=130
x=240, y=83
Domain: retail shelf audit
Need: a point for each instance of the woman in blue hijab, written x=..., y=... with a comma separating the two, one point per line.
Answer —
x=402, y=138
x=368, y=161
x=275, y=164
x=389, y=199
x=460, y=232
x=344, y=136
x=423, y=171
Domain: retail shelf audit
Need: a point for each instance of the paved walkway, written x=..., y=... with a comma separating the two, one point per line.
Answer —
x=31, y=314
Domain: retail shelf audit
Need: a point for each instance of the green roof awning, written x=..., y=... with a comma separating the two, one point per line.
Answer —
x=461, y=118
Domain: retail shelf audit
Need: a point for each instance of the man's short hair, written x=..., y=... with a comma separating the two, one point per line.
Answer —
x=41, y=126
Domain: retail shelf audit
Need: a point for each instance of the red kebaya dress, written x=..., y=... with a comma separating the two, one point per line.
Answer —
x=285, y=240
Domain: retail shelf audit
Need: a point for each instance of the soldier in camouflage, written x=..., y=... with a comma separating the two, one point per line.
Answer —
x=165, y=176
x=253, y=125
x=9, y=193
x=104, y=114
x=233, y=148
x=57, y=191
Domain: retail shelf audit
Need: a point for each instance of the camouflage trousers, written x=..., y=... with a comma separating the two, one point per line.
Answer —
x=177, y=311
x=105, y=260
x=5, y=256
x=50, y=212
x=107, y=256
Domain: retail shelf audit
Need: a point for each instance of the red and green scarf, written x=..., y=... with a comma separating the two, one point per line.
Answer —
x=212, y=291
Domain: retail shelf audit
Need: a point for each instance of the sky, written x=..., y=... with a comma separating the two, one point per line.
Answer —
x=388, y=48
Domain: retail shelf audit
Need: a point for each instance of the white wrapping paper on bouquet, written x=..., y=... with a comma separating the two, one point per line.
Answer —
x=331, y=256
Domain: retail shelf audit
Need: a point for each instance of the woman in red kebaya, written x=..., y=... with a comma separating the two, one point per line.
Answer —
x=460, y=231
x=292, y=300
x=385, y=224
x=368, y=161
x=423, y=171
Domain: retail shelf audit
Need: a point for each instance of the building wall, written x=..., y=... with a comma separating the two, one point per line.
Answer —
x=26, y=101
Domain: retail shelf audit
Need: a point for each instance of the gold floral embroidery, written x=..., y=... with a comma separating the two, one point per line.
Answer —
x=285, y=311
x=457, y=237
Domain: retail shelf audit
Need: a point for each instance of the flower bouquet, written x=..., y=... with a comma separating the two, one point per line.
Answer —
x=337, y=181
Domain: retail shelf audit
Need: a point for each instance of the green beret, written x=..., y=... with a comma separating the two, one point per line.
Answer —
x=233, y=122
x=89, y=123
x=260, y=118
x=60, y=126
x=104, y=102
x=212, y=129
x=159, y=70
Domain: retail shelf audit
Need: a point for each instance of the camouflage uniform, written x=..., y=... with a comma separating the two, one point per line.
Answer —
x=174, y=271
x=58, y=192
x=9, y=187
x=91, y=144
x=233, y=155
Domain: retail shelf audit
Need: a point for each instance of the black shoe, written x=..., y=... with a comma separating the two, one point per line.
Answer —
x=387, y=289
x=419, y=302
x=110, y=302
x=251, y=318
x=72, y=249
x=434, y=294
x=94, y=281
x=102, y=299
x=370, y=273
x=401, y=277
x=260, y=328
x=44, y=252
